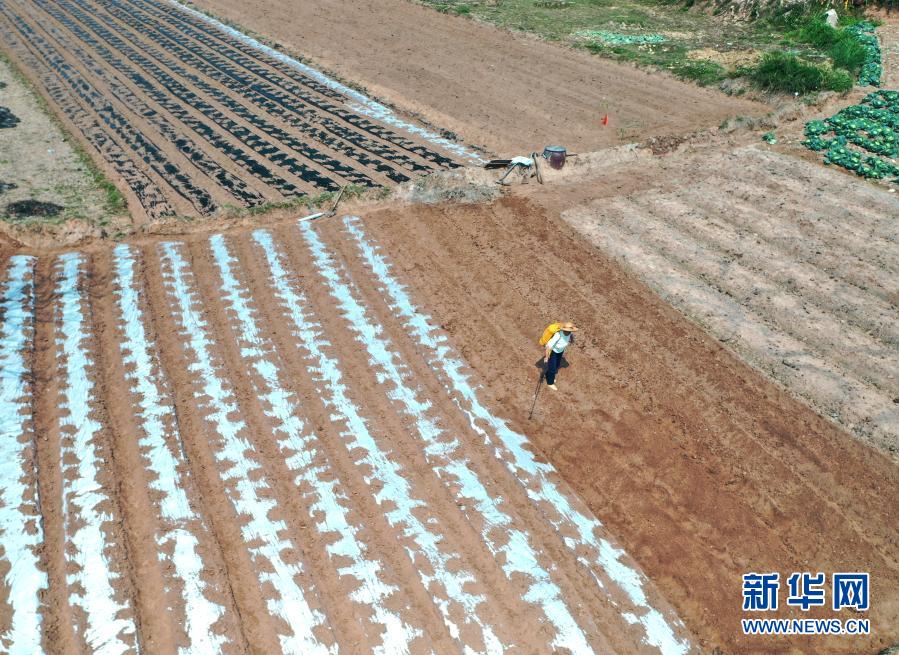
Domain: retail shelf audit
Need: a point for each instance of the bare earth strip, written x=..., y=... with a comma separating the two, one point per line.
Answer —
x=503, y=91
x=794, y=266
x=39, y=159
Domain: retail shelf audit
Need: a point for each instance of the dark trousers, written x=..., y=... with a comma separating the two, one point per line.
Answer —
x=552, y=366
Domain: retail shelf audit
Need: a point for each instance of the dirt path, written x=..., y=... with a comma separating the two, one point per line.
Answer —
x=508, y=93
x=704, y=470
x=39, y=162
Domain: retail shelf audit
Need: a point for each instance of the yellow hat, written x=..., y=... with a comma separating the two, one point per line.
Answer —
x=568, y=326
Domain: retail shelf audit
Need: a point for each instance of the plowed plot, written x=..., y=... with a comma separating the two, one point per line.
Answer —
x=192, y=117
x=259, y=443
x=794, y=266
x=702, y=468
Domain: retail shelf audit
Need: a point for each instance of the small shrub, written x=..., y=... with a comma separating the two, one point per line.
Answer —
x=779, y=71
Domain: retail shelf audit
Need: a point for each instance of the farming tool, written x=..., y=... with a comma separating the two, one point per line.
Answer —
x=527, y=166
x=326, y=214
x=536, y=393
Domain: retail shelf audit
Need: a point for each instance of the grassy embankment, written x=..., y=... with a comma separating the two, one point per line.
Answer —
x=783, y=52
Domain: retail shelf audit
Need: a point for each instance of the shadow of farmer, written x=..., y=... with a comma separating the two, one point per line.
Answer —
x=540, y=365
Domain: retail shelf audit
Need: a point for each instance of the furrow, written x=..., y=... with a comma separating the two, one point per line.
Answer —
x=119, y=35
x=584, y=533
x=512, y=250
x=499, y=531
x=171, y=88
x=440, y=571
x=21, y=531
x=160, y=443
x=841, y=245
x=248, y=491
x=866, y=208
x=301, y=450
x=859, y=230
x=97, y=590
x=225, y=185
x=297, y=92
x=290, y=109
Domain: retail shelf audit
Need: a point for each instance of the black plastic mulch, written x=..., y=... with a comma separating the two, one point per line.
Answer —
x=7, y=118
x=32, y=208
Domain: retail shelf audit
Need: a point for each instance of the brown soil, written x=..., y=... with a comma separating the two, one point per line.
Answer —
x=888, y=33
x=704, y=470
x=510, y=93
x=700, y=468
x=243, y=558
x=791, y=264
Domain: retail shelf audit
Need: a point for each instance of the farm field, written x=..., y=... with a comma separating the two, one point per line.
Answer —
x=792, y=265
x=506, y=92
x=260, y=434
x=191, y=118
x=258, y=443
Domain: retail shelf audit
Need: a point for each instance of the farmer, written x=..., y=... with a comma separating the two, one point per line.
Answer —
x=554, y=349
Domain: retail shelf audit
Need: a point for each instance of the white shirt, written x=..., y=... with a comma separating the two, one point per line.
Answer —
x=558, y=342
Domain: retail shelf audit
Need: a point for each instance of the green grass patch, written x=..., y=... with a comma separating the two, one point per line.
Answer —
x=115, y=202
x=848, y=48
x=848, y=54
x=786, y=73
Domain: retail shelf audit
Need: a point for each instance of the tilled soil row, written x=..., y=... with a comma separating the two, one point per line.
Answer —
x=196, y=116
x=257, y=443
